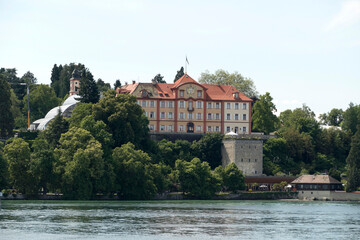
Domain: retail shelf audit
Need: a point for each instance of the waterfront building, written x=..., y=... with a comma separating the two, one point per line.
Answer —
x=189, y=107
x=320, y=182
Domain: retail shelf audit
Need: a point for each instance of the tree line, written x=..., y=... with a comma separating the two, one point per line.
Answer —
x=104, y=148
x=301, y=146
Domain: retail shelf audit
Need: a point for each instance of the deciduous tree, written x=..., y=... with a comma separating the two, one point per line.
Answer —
x=6, y=117
x=89, y=92
x=353, y=161
x=243, y=84
x=133, y=173
x=263, y=118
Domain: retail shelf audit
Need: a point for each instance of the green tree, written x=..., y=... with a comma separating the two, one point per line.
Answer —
x=89, y=92
x=17, y=154
x=117, y=84
x=79, y=164
x=243, y=84
x=208, y=149
x=353, y=164
x=42, y=100
x=4, y=172
x=263, y=118
x=29, y=78
x=79, y=113
x=10, y=75
x=196, y=179
x=179, y=74
x=231, y=177
x=124, y=117
x=56, y=127
x=332, y=118
x=41, y=164
x=55, y=78
x=351, y=118
x=276, y=157
x=301, y=119
x=102, y=86
x=159, y=79
x=133, y=173
x=6, y=117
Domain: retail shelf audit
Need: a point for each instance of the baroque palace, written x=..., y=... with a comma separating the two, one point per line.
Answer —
x=187, y=106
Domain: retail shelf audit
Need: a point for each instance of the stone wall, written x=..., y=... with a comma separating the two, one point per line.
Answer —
x=247, y=154
x=328, y=195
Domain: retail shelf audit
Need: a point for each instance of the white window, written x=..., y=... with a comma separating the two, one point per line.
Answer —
x=209, y=128
x=236, y=117
x=171, y=104
x=244, y=116
x=198, y=128
x=209, y=116
x=182, y=93
x=151, y=127
x=170, y=128
x=162, y=115
x=182, y=104
x=181, y=128
x=236, y=95
x=199, y=93
x=170, y=115
x=227, y=129
x=162, y=128
x=162, y=104
x=190, y=105
x=217, y=105
x=190, y=116
x=138, y=102
x=244, y=129
x=151, y=115
x=217, y=116
x=236, y=130
x=181, y=115
x=228, y=116
x=209, y=105
x=199, y=116
x=217, y=129
x=199, y=104
x=228, y=105
x=152, y=104
x=236, y=105
x=244, y=106
x=143, y=103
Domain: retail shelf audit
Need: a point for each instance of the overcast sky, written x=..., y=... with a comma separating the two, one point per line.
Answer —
x=300, y=51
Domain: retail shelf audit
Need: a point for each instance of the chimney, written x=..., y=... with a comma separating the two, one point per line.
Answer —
x=133, y=81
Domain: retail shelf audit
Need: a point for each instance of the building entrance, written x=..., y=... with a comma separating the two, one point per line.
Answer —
x=190, y=127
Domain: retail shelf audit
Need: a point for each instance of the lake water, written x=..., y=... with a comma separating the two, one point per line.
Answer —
x=179, y=220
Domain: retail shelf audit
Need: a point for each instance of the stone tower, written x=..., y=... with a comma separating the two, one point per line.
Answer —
x=247, y=154
x=75, y=82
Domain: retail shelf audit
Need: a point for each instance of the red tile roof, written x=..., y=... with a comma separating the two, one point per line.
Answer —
x=167, y=90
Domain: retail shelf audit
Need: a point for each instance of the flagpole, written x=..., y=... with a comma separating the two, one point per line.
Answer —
x=185, y=65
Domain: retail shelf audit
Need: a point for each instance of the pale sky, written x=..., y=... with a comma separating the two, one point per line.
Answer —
x=300, y=51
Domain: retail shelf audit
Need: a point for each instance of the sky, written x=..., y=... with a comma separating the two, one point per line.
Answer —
x=301, y=52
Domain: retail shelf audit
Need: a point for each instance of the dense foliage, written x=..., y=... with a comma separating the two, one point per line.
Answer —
x=105, y=148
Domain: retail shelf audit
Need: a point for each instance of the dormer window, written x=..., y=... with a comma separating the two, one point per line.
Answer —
x=144, y=94
x=236, y=95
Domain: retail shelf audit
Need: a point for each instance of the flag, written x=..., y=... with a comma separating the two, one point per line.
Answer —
x=187, y=60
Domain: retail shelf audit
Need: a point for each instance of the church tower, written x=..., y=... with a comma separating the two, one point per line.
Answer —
x=75, y=83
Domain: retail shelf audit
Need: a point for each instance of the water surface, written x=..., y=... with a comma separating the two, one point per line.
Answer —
x=179, y=220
